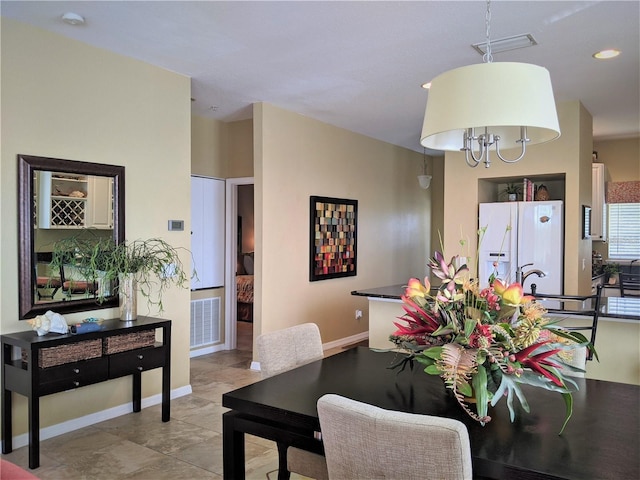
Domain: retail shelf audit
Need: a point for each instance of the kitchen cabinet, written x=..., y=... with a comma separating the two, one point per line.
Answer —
x=71, y=201
x=598, y=205
x=62, y=200
x=99, y=212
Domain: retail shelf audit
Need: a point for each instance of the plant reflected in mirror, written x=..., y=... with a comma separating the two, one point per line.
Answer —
x=98, y=262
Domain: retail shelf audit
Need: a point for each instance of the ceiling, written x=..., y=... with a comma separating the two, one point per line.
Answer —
x=359, y=65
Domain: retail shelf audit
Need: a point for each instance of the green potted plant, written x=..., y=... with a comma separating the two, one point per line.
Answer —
x=150, y=266
x=83, y=261
x=611, y=271
x=512, y=191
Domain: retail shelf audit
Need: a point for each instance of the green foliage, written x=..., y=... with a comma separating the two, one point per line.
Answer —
x=611, y=269
x=511, y=189
x=155, y=263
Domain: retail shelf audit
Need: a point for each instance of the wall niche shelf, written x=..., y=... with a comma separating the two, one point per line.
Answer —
x=491, y=190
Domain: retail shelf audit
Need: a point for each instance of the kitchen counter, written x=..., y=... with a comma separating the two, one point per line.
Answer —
x=617, y=341
x=621, y=308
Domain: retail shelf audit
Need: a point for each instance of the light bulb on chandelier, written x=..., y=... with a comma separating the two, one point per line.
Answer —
x=490, y=105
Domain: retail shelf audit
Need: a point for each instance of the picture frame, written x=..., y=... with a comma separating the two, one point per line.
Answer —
x=333, y=236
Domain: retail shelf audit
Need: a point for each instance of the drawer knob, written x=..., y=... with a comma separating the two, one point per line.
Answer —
x=76, y=370
x=140, y=368
x=140, y=356
x=76, y=384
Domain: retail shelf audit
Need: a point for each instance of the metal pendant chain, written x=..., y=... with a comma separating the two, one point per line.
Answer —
x=487, y=57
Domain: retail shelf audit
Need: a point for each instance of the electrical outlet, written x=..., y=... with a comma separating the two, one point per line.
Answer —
x=358, y=314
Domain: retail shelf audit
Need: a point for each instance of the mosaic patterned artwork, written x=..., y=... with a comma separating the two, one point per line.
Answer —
x=333, y=238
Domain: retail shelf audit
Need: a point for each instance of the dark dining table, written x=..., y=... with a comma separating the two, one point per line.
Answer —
x=601, y=441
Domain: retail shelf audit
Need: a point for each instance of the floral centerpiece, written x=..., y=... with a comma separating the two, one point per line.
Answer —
x=484, y=343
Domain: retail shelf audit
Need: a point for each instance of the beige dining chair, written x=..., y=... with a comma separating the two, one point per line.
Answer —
x=577, y=358
x=363, y=441
x=278, y=352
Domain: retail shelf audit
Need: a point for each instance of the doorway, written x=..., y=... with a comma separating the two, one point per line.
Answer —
x=239, y=252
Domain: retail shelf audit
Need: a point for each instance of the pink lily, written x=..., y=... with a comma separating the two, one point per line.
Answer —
x=447, y=271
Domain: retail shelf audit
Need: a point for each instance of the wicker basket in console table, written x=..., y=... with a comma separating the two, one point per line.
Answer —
x=37, y=366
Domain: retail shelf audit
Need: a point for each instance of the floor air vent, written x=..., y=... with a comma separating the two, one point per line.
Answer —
x=205, y=322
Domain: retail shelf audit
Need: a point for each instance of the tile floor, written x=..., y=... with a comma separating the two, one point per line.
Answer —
x=138, y=446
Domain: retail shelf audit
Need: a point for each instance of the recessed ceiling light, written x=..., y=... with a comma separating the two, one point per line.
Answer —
x=604, y=54
x=426, y=86
x=73, y=18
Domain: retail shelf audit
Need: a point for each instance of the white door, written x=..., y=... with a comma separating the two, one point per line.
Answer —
x=207, y=232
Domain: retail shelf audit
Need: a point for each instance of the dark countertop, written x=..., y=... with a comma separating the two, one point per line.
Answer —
x=627, y=308
x=393, y=291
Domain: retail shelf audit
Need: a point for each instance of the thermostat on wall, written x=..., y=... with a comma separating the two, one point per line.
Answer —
x=177, y=225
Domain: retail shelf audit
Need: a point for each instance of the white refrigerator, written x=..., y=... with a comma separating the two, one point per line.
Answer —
x=522, y=233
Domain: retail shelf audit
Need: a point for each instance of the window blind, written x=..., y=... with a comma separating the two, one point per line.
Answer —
x=624, y=230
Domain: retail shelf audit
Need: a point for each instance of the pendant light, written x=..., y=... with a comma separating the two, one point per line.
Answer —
x=424, y=180
x=490, y=106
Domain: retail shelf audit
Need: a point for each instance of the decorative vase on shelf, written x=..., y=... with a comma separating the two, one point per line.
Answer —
x=513, y=197
x=128, y=297
x=542, y=194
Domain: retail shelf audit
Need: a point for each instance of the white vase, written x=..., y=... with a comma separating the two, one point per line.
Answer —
x=128, y=296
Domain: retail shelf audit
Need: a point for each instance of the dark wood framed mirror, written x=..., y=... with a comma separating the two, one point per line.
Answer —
x=57, y=198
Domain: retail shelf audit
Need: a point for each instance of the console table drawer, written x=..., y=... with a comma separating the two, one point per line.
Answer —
x=73, y=375
x=136, y=361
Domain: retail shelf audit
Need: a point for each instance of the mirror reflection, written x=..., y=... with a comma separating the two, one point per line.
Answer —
x=69, y=206
x=62, y=201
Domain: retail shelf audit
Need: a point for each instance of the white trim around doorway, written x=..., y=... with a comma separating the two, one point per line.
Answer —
x=231, y=249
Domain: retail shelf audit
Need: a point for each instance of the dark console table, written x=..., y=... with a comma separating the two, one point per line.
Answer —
x=36, y=366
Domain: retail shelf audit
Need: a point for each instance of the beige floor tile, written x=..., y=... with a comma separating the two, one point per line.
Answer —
x=139, y=446
x=171, y=468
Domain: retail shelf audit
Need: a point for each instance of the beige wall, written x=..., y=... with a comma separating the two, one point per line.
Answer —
x=296, y=157
x=207, y=158
x=65, y=99
x=221, y=149
x=238, y=149
x=621, y=157
x=570, y=155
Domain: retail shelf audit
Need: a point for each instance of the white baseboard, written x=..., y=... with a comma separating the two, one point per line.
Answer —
x=343, y=342
x=207, y=350
x=97, y=417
